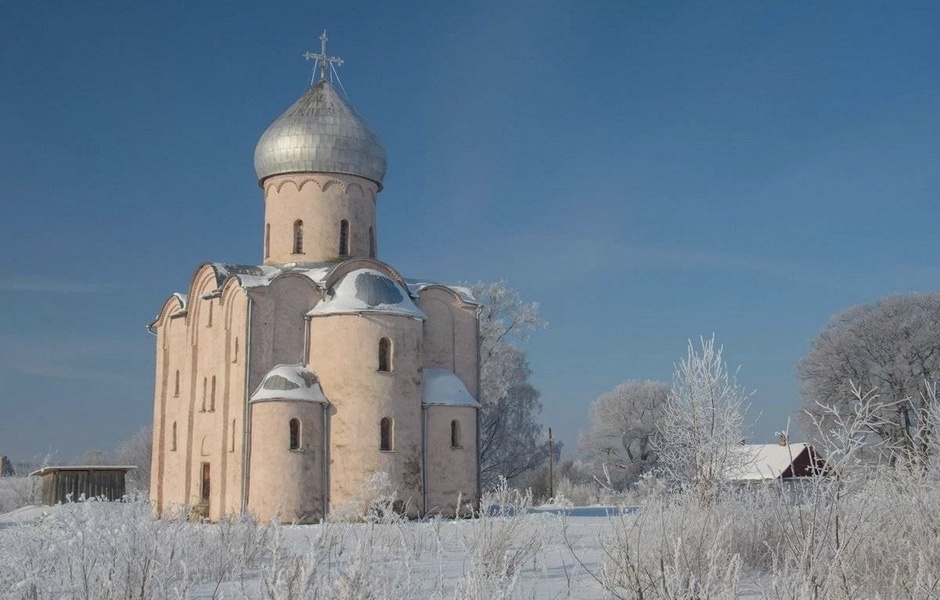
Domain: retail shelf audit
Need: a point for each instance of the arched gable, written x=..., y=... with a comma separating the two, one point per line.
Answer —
x=435, y=289
x=342, y=269
x=174, y=306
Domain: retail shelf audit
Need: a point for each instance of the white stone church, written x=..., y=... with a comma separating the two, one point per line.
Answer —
x=281, y=388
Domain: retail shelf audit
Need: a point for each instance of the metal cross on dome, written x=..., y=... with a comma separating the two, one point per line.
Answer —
x=323, y=59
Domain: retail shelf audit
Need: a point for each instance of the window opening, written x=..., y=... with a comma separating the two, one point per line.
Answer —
x=173, y=438
x=267, y=240
x=385, y=355
x=343, y=237
x=212, y=397
x=295, y=434
x=205, y=384
x=176, y=384
x=298, y=237
x=455, y=434
x=231, y=447
x=385, y=434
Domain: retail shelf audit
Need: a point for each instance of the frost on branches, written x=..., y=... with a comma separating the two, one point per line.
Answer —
x=891, y=348
x=510, y=435
x=702, y=422
x=619, y=445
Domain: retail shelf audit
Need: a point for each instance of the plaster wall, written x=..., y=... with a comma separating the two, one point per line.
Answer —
x=321, y=202
x=286, y=483
x=208, y=416
x=450, y=336
x=451, y=470
x=278, y=324
x=344, y=354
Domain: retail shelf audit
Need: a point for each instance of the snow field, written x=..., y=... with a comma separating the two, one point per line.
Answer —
x=868, y=534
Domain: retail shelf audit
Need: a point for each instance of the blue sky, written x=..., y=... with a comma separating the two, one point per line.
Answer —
x=649, y=171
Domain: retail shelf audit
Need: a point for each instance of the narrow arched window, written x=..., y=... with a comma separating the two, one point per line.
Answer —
x=212, y=396
x=298, y=237
x=371, y=242
x=235, y=352
x=231, y=447
x=267, y=240
x=295, y=434
x=343, y=237
x=176, y=384
x=385, y=355
x=173, y=438
x=209, y=319
x=205, y=385
x=385, y=435
x=455, y=434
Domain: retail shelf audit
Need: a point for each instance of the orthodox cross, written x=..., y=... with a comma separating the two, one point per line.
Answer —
x=323, y=59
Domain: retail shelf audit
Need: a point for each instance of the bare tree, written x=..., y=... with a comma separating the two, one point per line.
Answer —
x=619, y=444
x=891, y=347
x=511, y=440
x=702, y=423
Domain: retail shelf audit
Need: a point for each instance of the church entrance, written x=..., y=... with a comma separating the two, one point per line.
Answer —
x=204, y=497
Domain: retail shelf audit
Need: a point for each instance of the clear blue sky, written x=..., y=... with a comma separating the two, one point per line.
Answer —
x=648, y=171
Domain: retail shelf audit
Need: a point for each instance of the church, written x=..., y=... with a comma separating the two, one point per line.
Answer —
x=282, y=388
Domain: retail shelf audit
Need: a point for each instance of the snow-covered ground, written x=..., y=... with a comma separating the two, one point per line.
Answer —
x=871, y=534
x=544, y=552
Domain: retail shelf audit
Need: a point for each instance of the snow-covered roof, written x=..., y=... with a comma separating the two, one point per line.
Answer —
x=367, y=290
x=289, y=382
x=416, y=285
x=441, y=387
x=761, y=462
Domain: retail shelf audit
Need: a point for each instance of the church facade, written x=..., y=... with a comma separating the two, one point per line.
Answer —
x=282, y=388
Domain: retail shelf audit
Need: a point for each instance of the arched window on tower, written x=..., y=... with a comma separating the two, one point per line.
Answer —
x=173, y=438
x=385, y=355
x=231, y=447
x=294, y=427
x=267, y=240
x=343, y=237
x=455, y=434
x=176, y=384
x=386, y=434
x=205, y=385
x=371, y=242
x=298, y=237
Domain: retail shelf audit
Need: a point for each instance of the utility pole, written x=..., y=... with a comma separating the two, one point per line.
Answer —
x=551, y=464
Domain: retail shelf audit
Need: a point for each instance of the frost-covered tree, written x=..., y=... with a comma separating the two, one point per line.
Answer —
x=702, y=423
x=511, y=440
x=137, y=451
x=890, y=347
x=619, y=445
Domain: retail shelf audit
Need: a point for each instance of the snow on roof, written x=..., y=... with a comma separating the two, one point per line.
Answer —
x=367, y=290
x=764, y=461
x=289, y=382
x=250, y=276
x=416, y=285
x=441, y=387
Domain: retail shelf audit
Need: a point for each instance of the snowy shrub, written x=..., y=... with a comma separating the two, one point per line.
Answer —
x=500, y=541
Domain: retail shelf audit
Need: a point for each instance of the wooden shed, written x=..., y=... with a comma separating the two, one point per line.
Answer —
x=62, y=484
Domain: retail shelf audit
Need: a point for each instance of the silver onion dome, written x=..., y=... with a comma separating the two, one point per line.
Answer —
x=320, y=133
